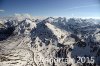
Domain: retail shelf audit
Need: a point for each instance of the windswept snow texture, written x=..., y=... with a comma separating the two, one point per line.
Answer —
x=29, y=41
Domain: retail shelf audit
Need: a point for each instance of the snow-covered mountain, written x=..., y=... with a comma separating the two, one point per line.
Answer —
x=25, y=41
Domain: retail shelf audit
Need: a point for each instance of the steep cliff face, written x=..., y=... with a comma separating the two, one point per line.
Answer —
x=44, y=42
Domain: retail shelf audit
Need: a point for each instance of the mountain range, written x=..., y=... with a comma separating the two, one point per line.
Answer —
x=29, y=41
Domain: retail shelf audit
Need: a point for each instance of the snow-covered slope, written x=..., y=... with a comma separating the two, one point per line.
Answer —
x=31, y=42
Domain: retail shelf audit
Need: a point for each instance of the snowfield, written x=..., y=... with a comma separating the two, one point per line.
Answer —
x=29, y=41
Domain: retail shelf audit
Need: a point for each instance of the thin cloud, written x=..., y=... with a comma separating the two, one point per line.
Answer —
x=83, y=6
x=2, y=10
